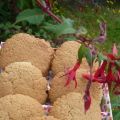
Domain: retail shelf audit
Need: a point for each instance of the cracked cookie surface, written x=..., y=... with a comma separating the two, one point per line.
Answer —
x=45, y=118
x=23, y=78
x=58, y=87
x=71, y=107
x=19, y=107
x=65, y=56
x=25, y=47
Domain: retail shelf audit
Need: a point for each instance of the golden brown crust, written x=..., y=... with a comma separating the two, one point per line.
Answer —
x=65, y=56
x=23, y=78
x=25, y=47
x=71, y=107
x=4, y=115
x=45, y=118
x=58, y=86
x=19, y=107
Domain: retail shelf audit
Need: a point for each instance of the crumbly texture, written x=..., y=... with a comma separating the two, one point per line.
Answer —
x=4, y=115
x=23, y=78
x=19, y=107
x=25, y=47
x=45, y=118
x=66, y=56
x=71, y=107
x=58, y=87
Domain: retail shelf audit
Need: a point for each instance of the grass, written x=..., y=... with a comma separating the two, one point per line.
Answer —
x=89, y=19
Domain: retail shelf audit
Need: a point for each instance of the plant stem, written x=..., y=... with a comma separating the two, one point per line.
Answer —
x=46, y=10
x=90, y=81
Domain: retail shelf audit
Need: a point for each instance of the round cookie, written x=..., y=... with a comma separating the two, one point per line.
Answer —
x=45, y=118
x=25, y=47
x=58, y=87
x=23, y=78
x=71, y=107
x=19, y=107
x=4, y=115
x=66, y=56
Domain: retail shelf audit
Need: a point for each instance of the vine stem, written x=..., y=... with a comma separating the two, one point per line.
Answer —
x=48, y=12
x=90, y=81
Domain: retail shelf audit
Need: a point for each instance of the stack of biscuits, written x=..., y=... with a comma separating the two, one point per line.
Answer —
x=25, y=62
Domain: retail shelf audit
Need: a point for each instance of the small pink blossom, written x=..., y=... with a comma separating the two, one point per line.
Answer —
x=114, y=50
x=100, y=71
x=87, y=100
x=95, y=79
x=102, y=36
x=71, y=74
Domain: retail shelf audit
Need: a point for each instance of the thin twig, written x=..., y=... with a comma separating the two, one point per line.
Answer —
x=46, y=10
x=90, y=81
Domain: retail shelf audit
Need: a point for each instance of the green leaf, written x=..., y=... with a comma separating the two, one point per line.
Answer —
x=23, y=4
x=101, y=57
x=70, y=38
x=1, y=25
x=115, y=102
x=9, y=25
x=81, y=53
x=115, y=105
x=115, y=111
x=117, y=115
x=34, y=3
x=88, y=56
x=62, y=28
x=32, y=16
x=81, y=31
x=117, y=64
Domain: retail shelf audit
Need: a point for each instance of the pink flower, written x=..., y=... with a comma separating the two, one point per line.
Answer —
x=87, y=77
x=114, y=50
x=71, y=74
x=99, y=75
x=102, y=36
x=100, y=71
x=111, y=57
x=48, y=5
x=87, y=100
x=110, y=77
x=106, y=74
x=95, y=79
